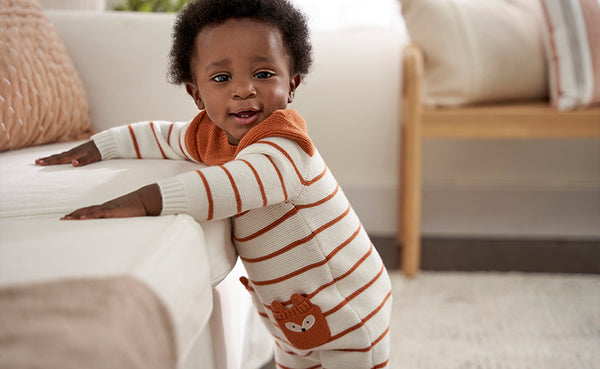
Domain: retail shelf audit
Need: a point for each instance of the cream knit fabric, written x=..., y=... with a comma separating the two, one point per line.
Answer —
x=303, y=246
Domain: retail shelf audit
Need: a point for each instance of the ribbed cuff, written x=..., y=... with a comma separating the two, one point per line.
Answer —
x=106, y=144
x=174, y=199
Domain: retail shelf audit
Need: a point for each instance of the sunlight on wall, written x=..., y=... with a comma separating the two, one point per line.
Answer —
x=323, y=14
x=340, y=14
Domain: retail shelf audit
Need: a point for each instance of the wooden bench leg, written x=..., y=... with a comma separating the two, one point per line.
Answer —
x=410, y=200
x=409, y=217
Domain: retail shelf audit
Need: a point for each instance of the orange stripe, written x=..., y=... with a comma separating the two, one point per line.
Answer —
x=311, y=266
x=241, y=214
x=300, y=241
x=285, y=194
x=322, y=201
x=259, y=181
x=236, y=192
x=157, y=142
x=354, y=294
x=370, y=347
x=382, y=365
x=337, y=279
x=208, y=195
x=287, y=367
x=364, y=320
x=269, y=227
x=182, y=150
x=135, y=143
x=378, y=366
x=350, y=271
x=287, y=216
x=289, y=158
x=169, y=134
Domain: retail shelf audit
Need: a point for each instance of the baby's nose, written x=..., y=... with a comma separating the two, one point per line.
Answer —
x=244, y=90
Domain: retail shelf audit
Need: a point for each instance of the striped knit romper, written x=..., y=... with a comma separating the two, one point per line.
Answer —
x=315, y=278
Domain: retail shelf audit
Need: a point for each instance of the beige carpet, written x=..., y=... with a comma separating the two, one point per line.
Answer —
x=496, y=321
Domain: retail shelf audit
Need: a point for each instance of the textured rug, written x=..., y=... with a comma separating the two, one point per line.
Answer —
x=495, y=321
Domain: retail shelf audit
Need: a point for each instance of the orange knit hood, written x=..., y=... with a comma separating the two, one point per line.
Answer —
x=208, y=143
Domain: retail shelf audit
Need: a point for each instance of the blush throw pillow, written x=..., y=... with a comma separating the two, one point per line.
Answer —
x=42, y=99
x=572, y=37
x=478, y=51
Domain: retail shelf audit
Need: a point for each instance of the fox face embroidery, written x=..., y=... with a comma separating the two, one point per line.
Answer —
x=304, y=325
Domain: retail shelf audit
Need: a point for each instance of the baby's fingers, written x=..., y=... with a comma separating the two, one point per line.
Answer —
x=96, y=212
x=62, y=158
x=122, y=207
x=81, y=155
x=85, y=158
x=90, y=212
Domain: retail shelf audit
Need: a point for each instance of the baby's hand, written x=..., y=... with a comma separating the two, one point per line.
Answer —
x=81, y=155
x=145, y=201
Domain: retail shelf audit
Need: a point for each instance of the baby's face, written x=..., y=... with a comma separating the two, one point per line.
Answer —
x=242, y=73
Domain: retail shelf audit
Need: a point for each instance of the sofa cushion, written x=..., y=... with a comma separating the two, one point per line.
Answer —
x=478, y=51
x=124, y=70
x=572, y=36
x=41, y=97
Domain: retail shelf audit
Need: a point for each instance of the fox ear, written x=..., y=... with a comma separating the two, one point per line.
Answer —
x=277, y=307
x=297, y=299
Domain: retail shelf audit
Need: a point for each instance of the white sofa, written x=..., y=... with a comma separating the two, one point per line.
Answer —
x=122, y=61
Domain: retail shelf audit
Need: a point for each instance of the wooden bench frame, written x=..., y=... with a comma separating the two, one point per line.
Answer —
x=524, y=120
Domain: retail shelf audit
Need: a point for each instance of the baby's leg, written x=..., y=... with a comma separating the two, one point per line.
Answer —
x=377, y=357
x=288, y=359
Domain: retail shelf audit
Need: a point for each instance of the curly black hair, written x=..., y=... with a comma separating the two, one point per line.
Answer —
x=198, y=14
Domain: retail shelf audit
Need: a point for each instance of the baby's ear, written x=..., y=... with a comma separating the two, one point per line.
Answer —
x=294, y=83
x=193, y=91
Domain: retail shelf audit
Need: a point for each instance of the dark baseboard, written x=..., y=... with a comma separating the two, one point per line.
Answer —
x=466, y=254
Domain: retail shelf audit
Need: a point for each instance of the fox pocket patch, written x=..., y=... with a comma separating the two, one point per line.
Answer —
x=304, y=324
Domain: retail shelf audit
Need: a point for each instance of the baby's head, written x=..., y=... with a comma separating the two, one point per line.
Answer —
x=240, y=59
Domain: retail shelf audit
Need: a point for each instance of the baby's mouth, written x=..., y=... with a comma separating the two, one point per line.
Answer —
x=246, y=114
x=246, y=117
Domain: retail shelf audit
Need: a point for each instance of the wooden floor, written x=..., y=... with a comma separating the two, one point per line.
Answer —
x=536, y=256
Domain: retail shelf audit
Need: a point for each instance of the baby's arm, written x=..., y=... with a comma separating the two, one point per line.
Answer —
x=260, y=177
x=143, y=140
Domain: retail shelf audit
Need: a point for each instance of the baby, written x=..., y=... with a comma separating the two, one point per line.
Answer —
x=315, y=278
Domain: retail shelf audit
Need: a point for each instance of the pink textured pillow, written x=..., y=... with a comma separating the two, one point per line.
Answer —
x=41, y=96
x=572, y=36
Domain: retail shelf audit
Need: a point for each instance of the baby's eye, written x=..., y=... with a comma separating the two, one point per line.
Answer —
x=263, y=75
x=221, y=78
